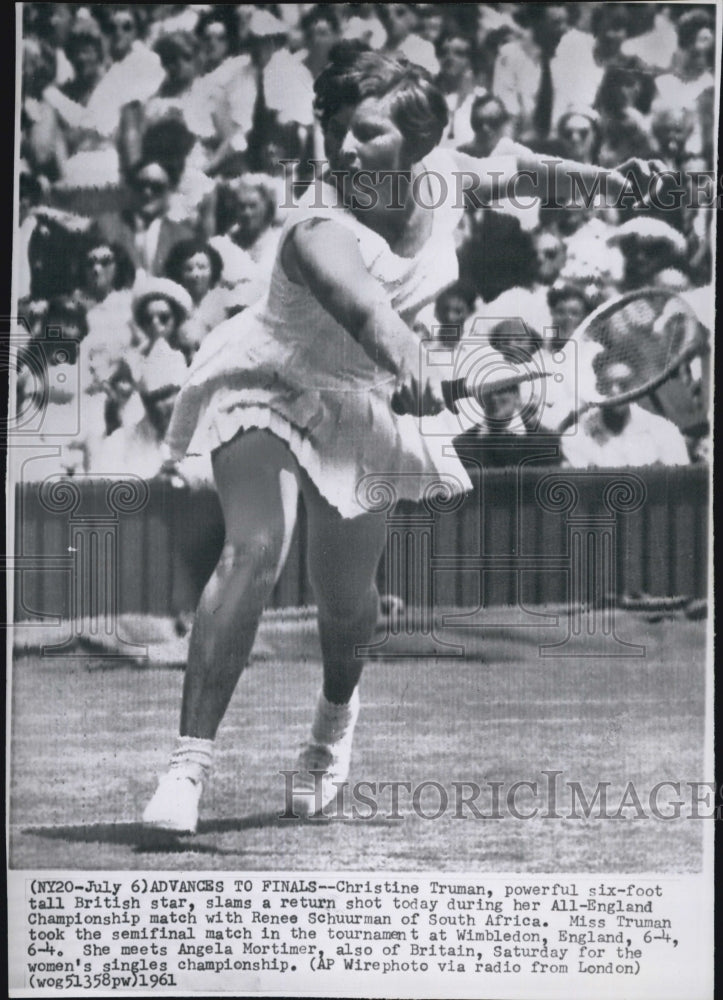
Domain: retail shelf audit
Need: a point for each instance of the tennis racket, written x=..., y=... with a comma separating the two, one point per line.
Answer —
x=645, y=338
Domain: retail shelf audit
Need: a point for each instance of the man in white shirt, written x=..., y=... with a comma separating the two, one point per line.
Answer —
x=135, y=74
x=537, y=77
x=272, y=83
x=627, y=435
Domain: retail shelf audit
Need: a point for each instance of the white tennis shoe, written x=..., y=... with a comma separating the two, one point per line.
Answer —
x=174, y=806
x=324, y=762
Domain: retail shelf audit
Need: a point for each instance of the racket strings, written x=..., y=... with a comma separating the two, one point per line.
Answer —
x=640, y=338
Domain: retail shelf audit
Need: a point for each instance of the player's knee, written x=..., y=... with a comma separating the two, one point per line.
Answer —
x=256, y=556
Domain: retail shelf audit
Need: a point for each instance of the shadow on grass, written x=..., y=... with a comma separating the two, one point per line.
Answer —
x=142, y=839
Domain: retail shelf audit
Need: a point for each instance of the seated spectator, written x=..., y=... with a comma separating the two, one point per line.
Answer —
x=144, y=229
x=623, y=101
x=106, y=269
x=430, y=21
x=246, y=214
x=488, y=122
x=217, y=32
x=49, y=388
x=453, y=311
x=505, y=436
x=181, y=91
x=589, y=259
x=515, y=340
x=84, y=49
x=649, y=246
x=625, y=435
x=123, y=404
x=269, y=88
x=55, y=248
x=104, y=290
x=456, y=80
x=53, y=23
x=400, y=24
x=134, y=74
x=42, y=142
x=494, y=28
x=321, y=30
x=578, y=134
x=692, y=68
x=30, y=195
x=610, y=24
x=198, y=268
x=192, y=196
x=569, y=305
x=138, y=448
x=572, y=379
x=160, y=309
x=533, y=77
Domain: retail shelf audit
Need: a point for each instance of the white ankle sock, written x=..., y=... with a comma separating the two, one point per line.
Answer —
x=192, y=757
x=333, y=722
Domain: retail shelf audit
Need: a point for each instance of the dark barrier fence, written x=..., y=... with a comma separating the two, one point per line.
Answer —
x=529, y=536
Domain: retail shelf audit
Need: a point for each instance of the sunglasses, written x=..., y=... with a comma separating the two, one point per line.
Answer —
x=106, y=259
x=162, y=317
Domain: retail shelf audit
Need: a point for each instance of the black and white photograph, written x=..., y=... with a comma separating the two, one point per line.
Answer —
x=359, y=500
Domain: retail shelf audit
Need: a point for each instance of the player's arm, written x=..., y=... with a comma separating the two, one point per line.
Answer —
x=525, y=174
x=324, y=256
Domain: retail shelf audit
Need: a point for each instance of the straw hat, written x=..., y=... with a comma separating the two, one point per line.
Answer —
x=649, y=230
x=161, y=288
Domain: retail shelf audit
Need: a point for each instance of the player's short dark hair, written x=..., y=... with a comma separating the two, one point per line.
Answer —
x=355, y=72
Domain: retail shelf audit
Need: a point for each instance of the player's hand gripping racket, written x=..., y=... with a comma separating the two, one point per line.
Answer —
x=457, y=389
x=645, y=337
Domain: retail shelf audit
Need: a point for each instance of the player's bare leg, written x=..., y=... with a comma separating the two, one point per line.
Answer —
x=343, y=559
x=256, y=480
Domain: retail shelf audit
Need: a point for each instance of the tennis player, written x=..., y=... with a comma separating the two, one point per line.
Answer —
x=294, y=396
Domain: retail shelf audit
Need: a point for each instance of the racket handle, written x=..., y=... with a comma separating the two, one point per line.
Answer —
x=459, y=388
x=453, y=390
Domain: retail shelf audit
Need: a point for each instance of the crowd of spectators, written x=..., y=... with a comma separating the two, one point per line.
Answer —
x=151, y=196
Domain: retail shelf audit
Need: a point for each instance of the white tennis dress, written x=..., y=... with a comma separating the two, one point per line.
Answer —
x=285, y=365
